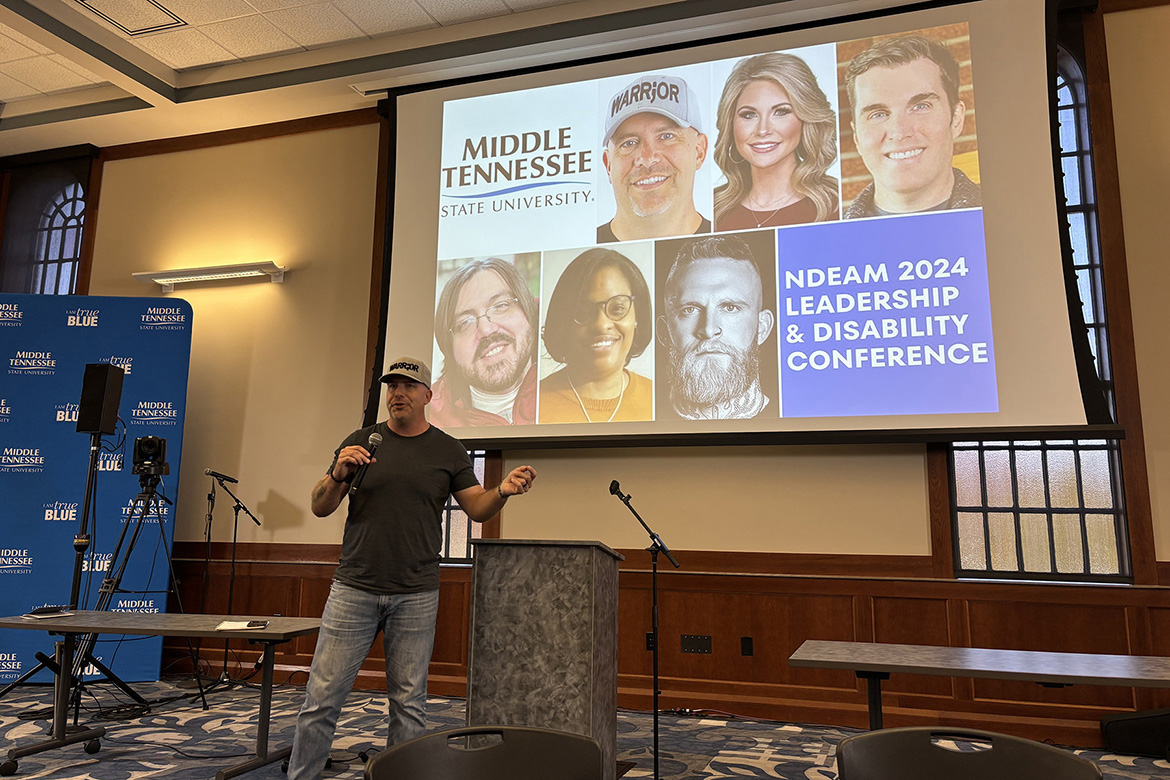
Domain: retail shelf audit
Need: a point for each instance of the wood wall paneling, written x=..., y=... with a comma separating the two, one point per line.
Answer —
x=911, y=621
x=778, y=611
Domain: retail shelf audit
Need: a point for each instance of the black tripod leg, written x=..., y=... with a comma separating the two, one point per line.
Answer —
x=174, y=584
x=195, y=666
x=23, y=678
x=122, y=686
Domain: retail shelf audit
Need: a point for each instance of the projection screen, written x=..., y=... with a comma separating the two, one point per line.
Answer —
x=850, y=226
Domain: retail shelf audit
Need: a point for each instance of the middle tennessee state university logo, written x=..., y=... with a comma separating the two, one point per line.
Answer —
x=155, y=413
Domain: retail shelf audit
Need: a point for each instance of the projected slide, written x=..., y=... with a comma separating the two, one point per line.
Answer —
x=781, y=234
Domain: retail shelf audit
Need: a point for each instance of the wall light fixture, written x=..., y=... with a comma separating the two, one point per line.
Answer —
x=168, y=279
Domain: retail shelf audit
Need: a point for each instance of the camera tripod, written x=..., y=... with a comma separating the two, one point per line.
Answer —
x=145, y=504
x=83, y=655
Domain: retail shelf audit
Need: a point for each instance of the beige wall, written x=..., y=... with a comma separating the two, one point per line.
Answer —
x=1138, y=63
x=863, y=500
x=277, y=375
x=276, y=369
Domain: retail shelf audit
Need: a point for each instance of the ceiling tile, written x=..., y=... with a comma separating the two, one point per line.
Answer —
x=455, y=11
x=272, y=5
x=315, y=25
x=45, y=75
x=11, y=50
x=186, y=48
x=130, y=15
x=528, y=5
x=382, y=18
x=89, y=76
x=24, y=40
x=12, y=89
x=250, y=36
x=199, y=12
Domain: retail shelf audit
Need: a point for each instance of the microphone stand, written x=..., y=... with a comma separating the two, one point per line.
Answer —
x=224, y=678
x=207, y=548
x=206, y=570
x=656, y=546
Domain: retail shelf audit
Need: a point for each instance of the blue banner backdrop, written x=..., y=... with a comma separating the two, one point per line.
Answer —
x=45, y=343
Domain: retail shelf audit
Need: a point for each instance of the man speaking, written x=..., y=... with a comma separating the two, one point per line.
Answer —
x=907, y=114
x=714, y=326
x=387, y=580
x=653, y=146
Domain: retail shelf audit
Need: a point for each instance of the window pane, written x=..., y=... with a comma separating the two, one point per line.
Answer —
x=53, y=248
x=50, y=279
x=1068, y=128
x=967, y=491
x=1072, y=180
x=1030, y=478
x=72, y=243
x=1034, y=538
x=1102, y=533
x=1062, y=479
x=1066, y=533
x=457, y=522
x=63, y=276
x=1085, y=289
x=1003, y=542
x=972, y=551
x=1078, y=238
x=999, y=478
x=1096, y=479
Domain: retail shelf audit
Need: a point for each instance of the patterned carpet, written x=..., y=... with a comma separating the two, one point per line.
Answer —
x=179, y=741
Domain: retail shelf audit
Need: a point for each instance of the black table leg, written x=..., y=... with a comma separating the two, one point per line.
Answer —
x=61, y=736
x=263, y=757
x=873, y=682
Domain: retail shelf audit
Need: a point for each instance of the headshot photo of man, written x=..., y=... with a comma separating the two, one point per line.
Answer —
x=716, y=322
x=905, y=116
x=653, y=147
x=485, y=329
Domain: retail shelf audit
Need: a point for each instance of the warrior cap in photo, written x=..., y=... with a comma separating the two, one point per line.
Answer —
x=666, y=95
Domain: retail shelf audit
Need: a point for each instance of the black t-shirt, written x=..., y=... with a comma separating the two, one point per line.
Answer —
x=393, y=532
x=605, y=232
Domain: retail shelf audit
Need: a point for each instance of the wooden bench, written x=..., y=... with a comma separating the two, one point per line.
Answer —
x=875, y=661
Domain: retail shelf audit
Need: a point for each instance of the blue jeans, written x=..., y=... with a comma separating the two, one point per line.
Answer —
x=349, y=624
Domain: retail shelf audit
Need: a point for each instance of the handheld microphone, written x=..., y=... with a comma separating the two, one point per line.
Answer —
x=224, y=477
x=375, y=440
x=616, y=490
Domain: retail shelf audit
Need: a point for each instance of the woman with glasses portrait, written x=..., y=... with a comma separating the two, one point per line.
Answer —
x=598, y=319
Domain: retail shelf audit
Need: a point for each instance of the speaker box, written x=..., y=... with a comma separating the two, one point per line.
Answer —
x=1138, y=733
x=101, y=393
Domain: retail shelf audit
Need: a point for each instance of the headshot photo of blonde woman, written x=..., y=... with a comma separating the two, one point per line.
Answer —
x=776, y=146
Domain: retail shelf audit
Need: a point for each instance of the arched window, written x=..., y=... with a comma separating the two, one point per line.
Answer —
x=57, y=256
x=43, y=221
x=1051, y=510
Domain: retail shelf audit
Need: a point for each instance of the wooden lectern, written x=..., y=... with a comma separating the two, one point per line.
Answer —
x=543, y=646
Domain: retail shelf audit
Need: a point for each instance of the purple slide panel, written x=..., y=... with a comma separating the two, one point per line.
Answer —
x=886, y=316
